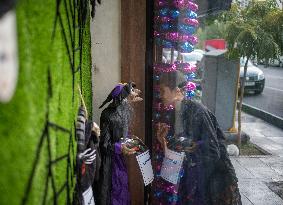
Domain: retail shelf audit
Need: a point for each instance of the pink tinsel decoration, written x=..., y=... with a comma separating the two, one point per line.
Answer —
x=175, y=36
x=166, y=68
x=188, y=67
x=185, y=4
x=191, y=86
x=192, y=22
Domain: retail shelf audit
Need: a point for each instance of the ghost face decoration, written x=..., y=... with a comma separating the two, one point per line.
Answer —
x=8, y=56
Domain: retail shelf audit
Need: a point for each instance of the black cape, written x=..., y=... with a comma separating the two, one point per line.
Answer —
x=209, y=176
x=112, y=130
x=220, y=178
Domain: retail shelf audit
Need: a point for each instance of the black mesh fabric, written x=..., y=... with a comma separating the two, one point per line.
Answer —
x=6, y=5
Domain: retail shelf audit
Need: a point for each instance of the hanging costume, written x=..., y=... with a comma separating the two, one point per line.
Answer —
x=114, y=122
x=207, y=176
x=87, y=160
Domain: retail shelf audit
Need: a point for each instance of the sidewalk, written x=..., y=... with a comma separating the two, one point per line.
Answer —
x=256, y=172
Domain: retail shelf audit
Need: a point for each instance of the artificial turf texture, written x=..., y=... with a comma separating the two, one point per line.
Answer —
x=22, y=120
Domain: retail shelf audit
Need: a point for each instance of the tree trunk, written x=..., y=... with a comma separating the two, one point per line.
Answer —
x=242, y=86
x=266, y=62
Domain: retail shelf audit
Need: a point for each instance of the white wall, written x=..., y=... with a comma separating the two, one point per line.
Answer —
x=106, y=51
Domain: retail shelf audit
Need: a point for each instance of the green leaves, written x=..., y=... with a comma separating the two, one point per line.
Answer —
x=256, y=31
x=273, y=24
x=267, y=46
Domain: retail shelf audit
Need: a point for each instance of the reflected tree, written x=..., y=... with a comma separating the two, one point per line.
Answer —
x=247, y=37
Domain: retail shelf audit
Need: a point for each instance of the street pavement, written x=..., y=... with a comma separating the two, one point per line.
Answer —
x=271, y=100
x=255, y=172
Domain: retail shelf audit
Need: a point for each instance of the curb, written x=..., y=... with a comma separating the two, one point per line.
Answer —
x=266, y=116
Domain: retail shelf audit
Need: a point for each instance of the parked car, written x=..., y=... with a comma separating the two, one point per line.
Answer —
x=200, y=51
x=196, y=58
x=166, y=55
x=272, y=62
x=276, y=62
x=255, y=79
x=193, y=57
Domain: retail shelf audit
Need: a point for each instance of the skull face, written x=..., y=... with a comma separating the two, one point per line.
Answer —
x=135, y=95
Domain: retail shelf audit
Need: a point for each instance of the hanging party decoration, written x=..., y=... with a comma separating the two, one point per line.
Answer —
x=188, y=67
x=175, y=25
x=166, y=68
x=186, y=29
x=174, y=13
x=190, y=76
x=190, y=94
x=178, y=4
x=191, y=14
x=186, y=47
x=192, y=22
x=191, y=86
x=176, y=37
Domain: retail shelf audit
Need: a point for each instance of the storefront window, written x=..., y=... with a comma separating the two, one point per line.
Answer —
x=176, y=78
x=216, y=61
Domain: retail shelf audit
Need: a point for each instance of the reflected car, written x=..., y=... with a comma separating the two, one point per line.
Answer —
x=272, y=62
x=196, y=57
x=255, y=79
x=193, y=57
x=199, y=51
x=276, y=62
x=166, y=55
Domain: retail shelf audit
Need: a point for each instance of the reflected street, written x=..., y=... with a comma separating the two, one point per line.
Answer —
x=271, y=100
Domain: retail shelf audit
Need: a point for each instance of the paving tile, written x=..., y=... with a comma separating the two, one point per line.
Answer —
x=245, y=200
x=268, y=145
x=278, y=140
x=252, y=131
x=271, y=131
x=276, y=163
x=258, y=193
x=241, y=172
x=259, y=169
x=255, y=171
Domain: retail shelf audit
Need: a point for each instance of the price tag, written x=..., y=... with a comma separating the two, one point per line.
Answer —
x=144, y=162
x=171, y=166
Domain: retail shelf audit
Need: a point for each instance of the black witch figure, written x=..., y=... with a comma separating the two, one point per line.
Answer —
x=114, y=123
x=207, y=176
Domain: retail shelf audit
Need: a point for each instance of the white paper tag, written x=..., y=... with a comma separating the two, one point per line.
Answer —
x=144, y=162
x=171, y=166
x=88, y=197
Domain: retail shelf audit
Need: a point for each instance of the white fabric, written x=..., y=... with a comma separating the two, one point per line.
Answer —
x=88, y=197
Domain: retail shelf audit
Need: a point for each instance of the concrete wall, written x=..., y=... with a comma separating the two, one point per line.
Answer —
x=106, y=51
x=220, y=83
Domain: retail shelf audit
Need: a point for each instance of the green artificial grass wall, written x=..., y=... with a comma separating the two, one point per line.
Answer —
x=37, y=125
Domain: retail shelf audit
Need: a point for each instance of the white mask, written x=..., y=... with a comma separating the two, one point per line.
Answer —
x=8, y=56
